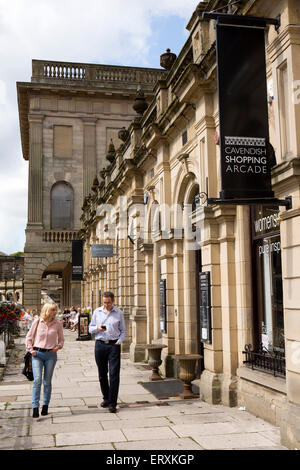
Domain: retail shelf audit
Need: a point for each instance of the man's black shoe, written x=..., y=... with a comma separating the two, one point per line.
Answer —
x=112, y=409
x=104, y=404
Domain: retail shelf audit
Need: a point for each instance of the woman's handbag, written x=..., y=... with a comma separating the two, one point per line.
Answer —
x=27, y=370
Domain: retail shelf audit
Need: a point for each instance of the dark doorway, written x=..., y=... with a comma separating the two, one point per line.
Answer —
x=200, y=348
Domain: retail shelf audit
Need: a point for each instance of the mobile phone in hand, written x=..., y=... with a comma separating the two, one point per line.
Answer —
x=103, y=327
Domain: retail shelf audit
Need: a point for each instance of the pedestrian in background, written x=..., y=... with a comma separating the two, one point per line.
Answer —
x=47, y=333
x=108, y=326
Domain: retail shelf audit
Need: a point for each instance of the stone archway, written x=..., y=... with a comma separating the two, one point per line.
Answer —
x=37, y=269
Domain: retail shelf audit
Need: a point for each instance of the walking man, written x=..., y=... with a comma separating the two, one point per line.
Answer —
x=108, y=326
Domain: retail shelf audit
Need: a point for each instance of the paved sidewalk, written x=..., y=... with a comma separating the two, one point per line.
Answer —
x=76, y=420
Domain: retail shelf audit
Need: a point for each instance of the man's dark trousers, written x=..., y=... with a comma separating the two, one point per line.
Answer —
x=108, y=359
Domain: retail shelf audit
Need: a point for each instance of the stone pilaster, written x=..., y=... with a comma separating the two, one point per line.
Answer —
x=168, y=338
x=35, y=195
x=76, y=293
x=229, y=306
x=139, y=313
x=210, y=386
x=89, y=154
x=147, y=249
x=179, y=298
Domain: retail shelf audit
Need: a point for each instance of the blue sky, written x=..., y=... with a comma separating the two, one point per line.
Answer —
x=133, y=33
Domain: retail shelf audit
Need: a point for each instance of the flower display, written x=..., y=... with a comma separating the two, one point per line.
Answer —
x=9, y=315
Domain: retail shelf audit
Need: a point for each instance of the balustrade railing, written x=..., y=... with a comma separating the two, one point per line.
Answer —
x=59, y=236
x=49, y=70
x=262, y=359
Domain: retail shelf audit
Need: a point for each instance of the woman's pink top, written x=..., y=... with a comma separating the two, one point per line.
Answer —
x=48, y=335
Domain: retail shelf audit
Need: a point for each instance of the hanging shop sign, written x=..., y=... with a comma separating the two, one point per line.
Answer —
x=102, y=251
x=205, y=307
x=77, y=260
x=243, y=110
x=245, y=149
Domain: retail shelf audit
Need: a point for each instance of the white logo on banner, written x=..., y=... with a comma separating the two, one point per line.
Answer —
x=249, y=141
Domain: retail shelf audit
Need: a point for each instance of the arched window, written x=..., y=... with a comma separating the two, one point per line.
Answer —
x=62, y=199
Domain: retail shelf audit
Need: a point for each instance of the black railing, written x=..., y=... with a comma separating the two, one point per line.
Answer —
x=262, y=359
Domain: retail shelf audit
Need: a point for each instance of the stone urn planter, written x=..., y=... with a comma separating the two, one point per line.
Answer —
x=187, y=373
x=123, y=134
x=140, y=104
x=167, y=59
x=154, y=351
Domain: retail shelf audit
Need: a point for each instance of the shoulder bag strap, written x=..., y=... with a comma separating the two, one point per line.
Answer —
x=33, y=339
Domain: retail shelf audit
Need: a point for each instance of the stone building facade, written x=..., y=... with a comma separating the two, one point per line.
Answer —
x=250, y=253
x=69, y=115
x=11, y=277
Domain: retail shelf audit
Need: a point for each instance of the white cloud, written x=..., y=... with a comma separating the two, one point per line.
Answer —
x=95, y=31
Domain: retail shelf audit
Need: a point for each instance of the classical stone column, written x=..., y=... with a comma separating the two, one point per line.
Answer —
x=66, y=279
x=168, y=338
x=229, y=305
x=147, y=249
x=210, y=385
x=32, y=283
x=76, y=293
x=123, y=285
x=89, y=154
x=138, y=314
x=288, y=184
x=156, y=276
x=35, y=183
x=179, y=298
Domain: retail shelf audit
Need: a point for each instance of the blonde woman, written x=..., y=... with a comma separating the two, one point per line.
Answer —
x=48, y=336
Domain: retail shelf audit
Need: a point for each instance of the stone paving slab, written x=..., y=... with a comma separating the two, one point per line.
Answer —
x=232, y=441
x=125, y=398
x=136, y=423
x=43, y=428
x=86, y=417
x=162, y=444
x=142, y=434
x=200, y=418
x=27, y=443
x=83, y=447
x=79, y=438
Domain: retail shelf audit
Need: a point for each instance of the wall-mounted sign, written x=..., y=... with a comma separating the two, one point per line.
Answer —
x=77, y=260
x=243, y=109
x=163, y=305
x=266, y=220
x=102, y=251
x=205, y=307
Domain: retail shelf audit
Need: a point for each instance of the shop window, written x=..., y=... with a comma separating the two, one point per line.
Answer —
x=267, y=278
x=268, y=351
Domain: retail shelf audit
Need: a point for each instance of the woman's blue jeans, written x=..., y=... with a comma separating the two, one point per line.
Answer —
x=42, y=361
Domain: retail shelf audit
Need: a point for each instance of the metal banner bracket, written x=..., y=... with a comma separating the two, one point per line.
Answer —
x=268, y=201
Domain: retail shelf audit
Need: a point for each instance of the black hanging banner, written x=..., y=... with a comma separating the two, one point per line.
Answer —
x=243, y=110
x=77, y=260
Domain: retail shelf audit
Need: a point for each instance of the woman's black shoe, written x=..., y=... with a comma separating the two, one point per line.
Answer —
x=35, y=413
x=44, y=410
